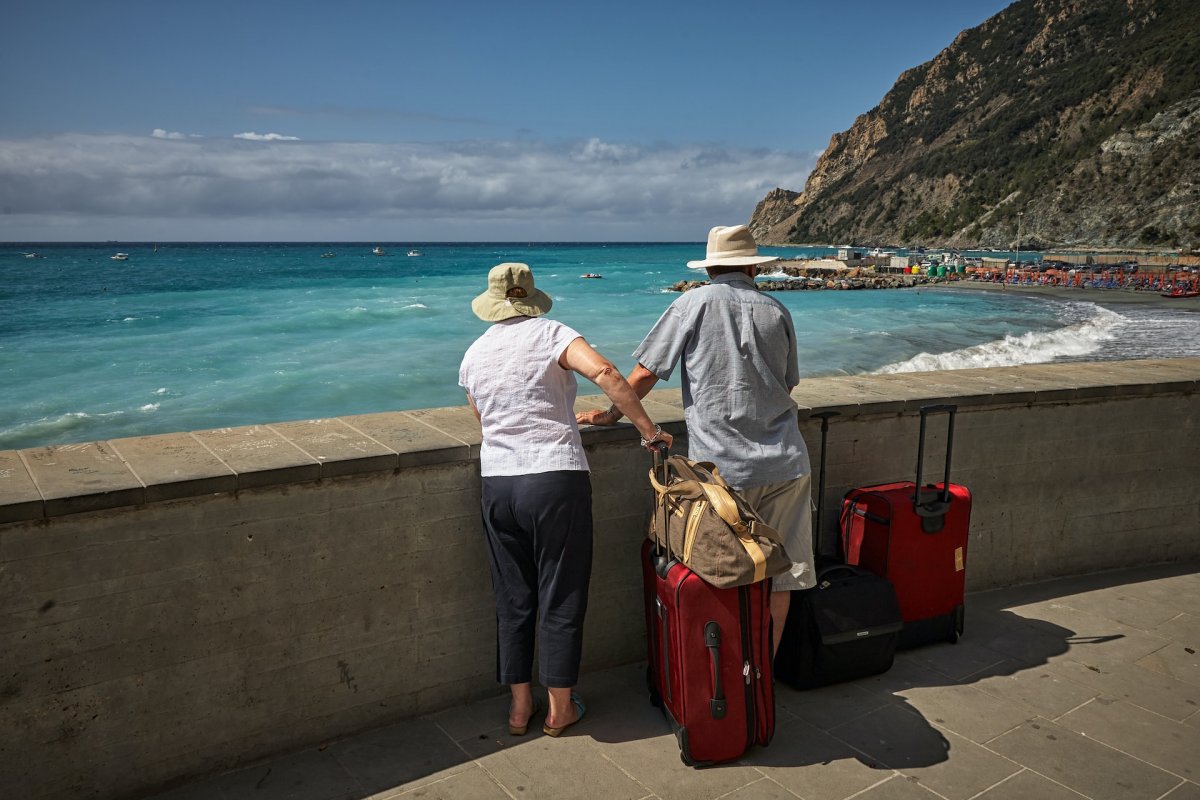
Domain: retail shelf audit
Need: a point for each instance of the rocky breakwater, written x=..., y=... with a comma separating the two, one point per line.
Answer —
x=792, y=276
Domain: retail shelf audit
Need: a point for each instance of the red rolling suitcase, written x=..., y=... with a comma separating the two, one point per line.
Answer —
x=917, y=539
x=709, y=659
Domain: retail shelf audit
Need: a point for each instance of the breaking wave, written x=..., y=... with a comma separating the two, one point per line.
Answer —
x=1073, y=341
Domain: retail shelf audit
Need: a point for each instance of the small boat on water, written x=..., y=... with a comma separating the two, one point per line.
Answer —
x=328, y=254
x=31, y=255
x=379, y=251
x=121, y=257
x=1178, y=293
x=414, y=252
x=591, y=275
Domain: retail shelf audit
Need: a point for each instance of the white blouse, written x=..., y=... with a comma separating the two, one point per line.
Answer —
x=525, y=399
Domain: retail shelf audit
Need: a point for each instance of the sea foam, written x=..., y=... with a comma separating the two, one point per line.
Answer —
x=1073, y=341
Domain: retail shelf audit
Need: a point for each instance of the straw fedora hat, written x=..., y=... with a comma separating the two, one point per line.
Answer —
x=510, y=293
x=731, y=246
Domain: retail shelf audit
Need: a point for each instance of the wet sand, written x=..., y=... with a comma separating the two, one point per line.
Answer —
x=1102, y=297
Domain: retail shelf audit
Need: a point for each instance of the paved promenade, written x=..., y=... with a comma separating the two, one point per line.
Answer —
x=1081, y=687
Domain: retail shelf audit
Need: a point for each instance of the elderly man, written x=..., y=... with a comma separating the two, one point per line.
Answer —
x=737, y=351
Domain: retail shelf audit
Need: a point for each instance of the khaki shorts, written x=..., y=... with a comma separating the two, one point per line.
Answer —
x=787, y=507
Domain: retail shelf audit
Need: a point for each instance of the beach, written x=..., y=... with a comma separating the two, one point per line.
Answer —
x=1102, y=297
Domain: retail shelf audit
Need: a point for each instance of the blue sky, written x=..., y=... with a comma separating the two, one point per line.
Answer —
x=424, y=121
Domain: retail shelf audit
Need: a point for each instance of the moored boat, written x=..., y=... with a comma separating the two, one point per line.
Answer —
x=379, y=251
x=121, y=257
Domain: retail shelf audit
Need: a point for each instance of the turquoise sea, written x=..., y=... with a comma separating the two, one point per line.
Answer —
x=194, y=336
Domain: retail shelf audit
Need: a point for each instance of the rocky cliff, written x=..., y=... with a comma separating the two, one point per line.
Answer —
x=1075, y=121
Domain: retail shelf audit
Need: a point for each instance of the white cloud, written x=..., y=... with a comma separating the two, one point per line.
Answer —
x=103, y=187
x=266, y=137
x=159, y=133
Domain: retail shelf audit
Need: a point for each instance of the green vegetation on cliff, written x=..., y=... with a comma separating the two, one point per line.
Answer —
x=1082, y=114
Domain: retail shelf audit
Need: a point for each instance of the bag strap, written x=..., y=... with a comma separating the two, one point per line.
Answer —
x=725, y=506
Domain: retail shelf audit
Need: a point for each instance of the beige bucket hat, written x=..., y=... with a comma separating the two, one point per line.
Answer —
x=510, y=293
x=731, y=246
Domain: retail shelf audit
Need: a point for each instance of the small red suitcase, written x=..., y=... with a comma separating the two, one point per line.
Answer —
x=709, y=659
x=917, y=539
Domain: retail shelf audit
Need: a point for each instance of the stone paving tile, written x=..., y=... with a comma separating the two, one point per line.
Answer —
x=560, y=769
x=967, y=711
x=408, y=754
x=1028, y=785
x=1061, y=588
x=762, y=789
x=907, y=672
x=1090, y=768
x=830, y=705
x=947, y=763
x=655, y=764
x=1098, y=640
x=1178, y=591
x=901, y=787
x=1176, y=660
x=1021, y=638
x=1142, y=687
x=1157, y=740
x=1181, y=628
x=1119, y=606
x=310, y=775
x=472, y=783
x=475, y=718
x=1184, y=791
x=894, y=737
x=958, y=660
x=814, y=765
x=1047, y=689
x=208, y=790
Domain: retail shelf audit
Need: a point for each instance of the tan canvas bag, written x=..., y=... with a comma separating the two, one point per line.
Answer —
x=711, y=528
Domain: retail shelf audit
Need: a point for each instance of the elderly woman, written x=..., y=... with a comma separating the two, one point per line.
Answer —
x=537, y=495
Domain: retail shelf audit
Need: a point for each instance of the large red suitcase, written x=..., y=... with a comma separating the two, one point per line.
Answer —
x=709, y=654
x=917, y=539
x=708, y=657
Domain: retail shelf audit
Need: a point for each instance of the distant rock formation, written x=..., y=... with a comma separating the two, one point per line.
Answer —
x=1075, y=121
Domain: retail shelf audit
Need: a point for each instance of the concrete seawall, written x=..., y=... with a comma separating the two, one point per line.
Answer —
x=178, y=605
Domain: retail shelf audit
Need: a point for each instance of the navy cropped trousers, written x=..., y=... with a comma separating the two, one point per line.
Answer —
x=539, y=535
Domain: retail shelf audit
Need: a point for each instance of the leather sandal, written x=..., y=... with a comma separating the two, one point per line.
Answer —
x=521, y=730
x=576, y=701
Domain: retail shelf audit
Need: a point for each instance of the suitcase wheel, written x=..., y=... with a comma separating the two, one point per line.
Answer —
x=959, y=617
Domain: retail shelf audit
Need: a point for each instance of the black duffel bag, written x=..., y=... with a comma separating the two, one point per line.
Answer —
x=844, y=628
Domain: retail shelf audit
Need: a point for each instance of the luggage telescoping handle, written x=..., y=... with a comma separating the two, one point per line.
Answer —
x=934, y=509
x=662, y=549
x=824, y=417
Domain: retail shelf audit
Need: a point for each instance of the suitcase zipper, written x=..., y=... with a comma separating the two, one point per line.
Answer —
x=666, y=647
x=748, y=653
